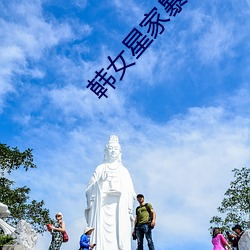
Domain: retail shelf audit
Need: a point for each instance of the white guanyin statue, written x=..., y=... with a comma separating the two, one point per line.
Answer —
x=110, y=197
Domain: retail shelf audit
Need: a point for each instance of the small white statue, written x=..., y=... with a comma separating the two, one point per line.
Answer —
x=25, y=235
x=110, y=198
x=4, y=212
x=244, y=242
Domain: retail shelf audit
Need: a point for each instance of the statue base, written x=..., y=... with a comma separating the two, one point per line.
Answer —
x=12, y=247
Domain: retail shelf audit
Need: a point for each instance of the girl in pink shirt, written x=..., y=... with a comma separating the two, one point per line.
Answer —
x=218, y=240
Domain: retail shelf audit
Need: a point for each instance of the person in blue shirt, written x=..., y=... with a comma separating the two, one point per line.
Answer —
x=84, y=240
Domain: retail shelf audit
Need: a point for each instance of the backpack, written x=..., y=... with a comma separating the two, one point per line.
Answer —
x=149, y=212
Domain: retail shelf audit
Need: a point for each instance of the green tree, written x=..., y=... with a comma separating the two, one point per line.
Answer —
x=17, y=199
x=235, y=207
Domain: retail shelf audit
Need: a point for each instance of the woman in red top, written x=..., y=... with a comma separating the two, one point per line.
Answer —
x=218, y=240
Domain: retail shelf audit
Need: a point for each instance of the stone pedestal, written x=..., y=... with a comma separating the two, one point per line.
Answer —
x=13, y=247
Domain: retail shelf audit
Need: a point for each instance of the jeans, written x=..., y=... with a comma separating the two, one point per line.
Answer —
x=142, y=230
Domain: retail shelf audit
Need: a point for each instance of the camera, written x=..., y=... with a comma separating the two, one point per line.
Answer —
x=134, y=235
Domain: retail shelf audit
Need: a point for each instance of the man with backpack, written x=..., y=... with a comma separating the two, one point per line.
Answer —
x=144, y=223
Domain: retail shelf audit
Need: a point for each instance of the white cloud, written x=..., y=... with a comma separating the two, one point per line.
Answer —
x=217, y=42
x=130, y=12
x=80, y=3
x=32, y=33
x=198, y=19
x=84, y=103
x=25, y=39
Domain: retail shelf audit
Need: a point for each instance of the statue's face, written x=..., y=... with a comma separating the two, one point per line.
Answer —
x=113, y=150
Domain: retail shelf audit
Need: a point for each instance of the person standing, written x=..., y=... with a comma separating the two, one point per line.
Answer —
x=218, y=240
x=143, y=225
x=56, y=231
x=239, y=231
x=85, y=239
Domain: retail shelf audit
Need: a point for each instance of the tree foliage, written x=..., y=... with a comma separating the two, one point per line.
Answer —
x=17, y=199
x=12, y=159
x=235, y=206
x=6, y=239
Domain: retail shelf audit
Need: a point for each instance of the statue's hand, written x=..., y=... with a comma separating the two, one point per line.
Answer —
x=89, y=205
x=132, y=217
x=90, y=202
x=104, y=176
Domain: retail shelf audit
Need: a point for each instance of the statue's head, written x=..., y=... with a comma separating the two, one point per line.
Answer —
x=4, y=211
x=113, y=150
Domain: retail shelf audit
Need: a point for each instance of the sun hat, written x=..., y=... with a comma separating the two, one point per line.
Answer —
x=59, y=213
x=87, y=229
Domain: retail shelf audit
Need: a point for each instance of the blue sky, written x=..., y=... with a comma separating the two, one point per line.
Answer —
x=181, y=113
